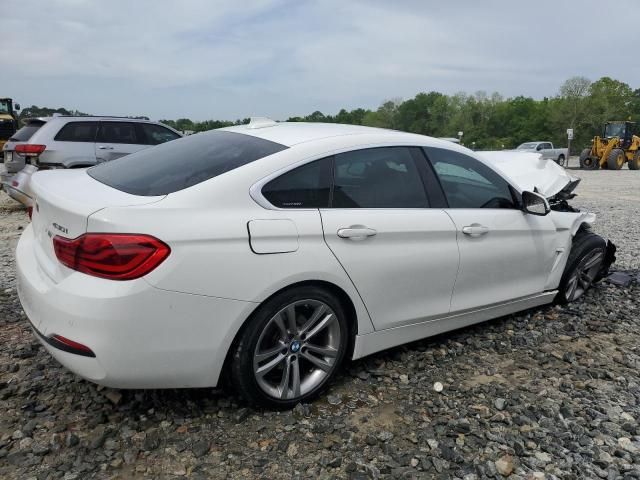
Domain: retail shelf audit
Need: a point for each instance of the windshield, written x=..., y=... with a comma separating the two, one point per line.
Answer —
x=614, y=130
x=527, y=146
x=4, y=106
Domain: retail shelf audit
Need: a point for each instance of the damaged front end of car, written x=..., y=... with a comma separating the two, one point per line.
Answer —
x=530, y=172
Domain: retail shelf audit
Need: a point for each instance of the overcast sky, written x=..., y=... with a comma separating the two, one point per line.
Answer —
x=204, y=59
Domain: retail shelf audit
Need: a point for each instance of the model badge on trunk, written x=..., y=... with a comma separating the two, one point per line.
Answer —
x=60, y=227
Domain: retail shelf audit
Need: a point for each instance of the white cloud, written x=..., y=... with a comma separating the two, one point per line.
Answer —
x=206, y=59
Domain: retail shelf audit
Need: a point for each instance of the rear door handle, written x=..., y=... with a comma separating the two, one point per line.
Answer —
x=356, y=232
x=475, y=230
x=102, y=147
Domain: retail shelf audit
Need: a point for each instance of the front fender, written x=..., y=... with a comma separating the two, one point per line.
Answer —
x=567, y=226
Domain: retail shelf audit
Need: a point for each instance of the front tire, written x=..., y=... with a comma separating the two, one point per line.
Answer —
x=616, y=159
x=291, y=348
x=583, y=266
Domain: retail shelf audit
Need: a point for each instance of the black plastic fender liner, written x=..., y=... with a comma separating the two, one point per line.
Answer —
x=609, y=259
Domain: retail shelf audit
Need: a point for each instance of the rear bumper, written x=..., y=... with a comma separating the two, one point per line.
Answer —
x=142, y=337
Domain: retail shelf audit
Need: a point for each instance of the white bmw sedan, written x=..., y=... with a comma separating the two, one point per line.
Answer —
x=269, y=253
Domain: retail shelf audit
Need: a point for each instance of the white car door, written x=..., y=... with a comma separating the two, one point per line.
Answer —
x=400, y=254
x=504, y=253
x=116, y=139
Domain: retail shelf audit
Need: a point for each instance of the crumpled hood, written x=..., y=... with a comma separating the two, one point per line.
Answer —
x=530, y=172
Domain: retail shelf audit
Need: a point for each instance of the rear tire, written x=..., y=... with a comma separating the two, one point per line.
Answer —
x=634, y=163
x=588, y=162
x=561, y=160
x=290, y=349
x=616, y=159
x=583, y=266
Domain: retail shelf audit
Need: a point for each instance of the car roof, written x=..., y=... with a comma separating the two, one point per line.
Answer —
x=294, y=133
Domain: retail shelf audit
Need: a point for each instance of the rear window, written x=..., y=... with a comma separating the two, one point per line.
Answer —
x=182, y=163
x=77, y=132
x=26, y=132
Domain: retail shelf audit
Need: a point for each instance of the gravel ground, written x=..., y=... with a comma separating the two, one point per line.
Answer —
x=549, y=393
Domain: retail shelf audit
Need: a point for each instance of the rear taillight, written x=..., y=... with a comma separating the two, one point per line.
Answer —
x=30, y=212
x=29, y=150
x=111, y=255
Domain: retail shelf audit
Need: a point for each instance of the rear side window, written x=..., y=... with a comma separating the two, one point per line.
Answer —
x=118, y=132
x=182, y=163
x=77, y=132
x=156, y=134
x=303, y=187
x=378, y=178
x=26, y=132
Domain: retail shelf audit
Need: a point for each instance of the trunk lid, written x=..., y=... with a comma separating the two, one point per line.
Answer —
x=63, y=202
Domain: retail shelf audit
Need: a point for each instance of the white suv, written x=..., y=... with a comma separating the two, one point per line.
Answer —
x=75, y=142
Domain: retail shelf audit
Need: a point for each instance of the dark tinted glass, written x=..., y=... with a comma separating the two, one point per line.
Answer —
x=378, y=178
x=118, y=132
x=77, y=132
x=26, y=132
x=467, y=183
x=156, y=134
x=304, y=187
x=182, y=163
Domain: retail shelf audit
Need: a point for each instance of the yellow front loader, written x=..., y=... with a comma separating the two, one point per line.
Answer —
x=618, y=145
x=8, y=120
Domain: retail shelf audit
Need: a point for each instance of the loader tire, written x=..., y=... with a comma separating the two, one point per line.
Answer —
x=634, y=163
x=616, y=159
x=587, y=162
x=584, y=154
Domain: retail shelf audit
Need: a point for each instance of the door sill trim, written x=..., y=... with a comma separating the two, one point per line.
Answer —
x=393, y=337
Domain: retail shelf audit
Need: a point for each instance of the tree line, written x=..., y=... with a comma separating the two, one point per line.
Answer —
x=488, y=121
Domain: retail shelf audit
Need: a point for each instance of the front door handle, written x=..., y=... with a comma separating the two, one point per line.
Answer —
x=102, y=147
x=475, y=230
x=356, y=232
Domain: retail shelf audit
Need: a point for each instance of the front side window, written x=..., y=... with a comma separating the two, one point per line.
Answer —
x=118, y=132
x=77, y=132
x=467, y=183
x=303, y=187
x=156, y=134
x=385, y=177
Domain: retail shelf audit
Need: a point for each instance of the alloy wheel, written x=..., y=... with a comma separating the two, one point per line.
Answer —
x=297, y=349
x=583, y=275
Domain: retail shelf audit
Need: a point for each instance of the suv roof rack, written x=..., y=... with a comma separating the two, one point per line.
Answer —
x=100, y=116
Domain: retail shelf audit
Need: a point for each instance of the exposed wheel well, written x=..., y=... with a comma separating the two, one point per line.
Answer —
x=339, y=293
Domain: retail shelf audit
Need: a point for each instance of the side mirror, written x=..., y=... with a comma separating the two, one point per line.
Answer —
x=535, y=204
x=16, y=106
